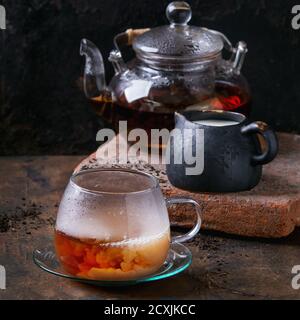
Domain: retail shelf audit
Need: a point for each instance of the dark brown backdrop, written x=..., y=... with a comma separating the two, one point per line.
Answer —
x=42, y=109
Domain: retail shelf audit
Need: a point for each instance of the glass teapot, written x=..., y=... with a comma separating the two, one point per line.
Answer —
x=177, y=67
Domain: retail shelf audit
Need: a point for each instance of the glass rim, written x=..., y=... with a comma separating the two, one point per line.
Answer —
x=97, y=170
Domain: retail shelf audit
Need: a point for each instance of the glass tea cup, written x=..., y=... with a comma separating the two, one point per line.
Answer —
x=113, y=224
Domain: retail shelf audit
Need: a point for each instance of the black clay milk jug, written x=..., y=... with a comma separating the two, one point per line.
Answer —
x=228, y=151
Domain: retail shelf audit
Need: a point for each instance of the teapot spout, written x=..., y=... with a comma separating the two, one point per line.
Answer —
x=94, y=73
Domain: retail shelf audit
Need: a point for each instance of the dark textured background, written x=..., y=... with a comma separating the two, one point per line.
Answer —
x=42, y=109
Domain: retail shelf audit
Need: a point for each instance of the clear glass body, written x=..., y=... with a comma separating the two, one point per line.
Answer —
x=113, y=224
x=162, y=90
x=147, y=97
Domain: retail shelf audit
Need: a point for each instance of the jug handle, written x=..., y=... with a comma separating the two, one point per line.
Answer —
x=192, y=233
x=270, y=137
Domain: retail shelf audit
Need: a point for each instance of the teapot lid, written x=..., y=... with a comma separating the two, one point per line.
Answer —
x=179, y=41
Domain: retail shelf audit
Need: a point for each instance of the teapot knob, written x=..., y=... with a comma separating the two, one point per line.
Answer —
x=179, y=13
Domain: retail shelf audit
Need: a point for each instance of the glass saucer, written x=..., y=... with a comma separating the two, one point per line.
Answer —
x=178, y=259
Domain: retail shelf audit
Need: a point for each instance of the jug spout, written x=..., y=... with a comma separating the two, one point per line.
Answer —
x=94, y=73
x=180, y=120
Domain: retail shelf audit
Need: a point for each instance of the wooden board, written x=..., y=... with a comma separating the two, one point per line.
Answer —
x=271, y=210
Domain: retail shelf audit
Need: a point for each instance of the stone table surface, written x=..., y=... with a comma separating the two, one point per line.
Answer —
x=224, y=267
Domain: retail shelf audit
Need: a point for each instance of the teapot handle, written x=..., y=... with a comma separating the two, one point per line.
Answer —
x=122, y=40
x=271, y=140
x=133, y=33
x=238, y=57
x=238, y=53
x=227, y=44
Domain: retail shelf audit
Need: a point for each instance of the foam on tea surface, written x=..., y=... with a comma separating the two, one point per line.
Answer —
x=112, y=219
x=116, y=182
x=129, y=208
x=216, y=122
